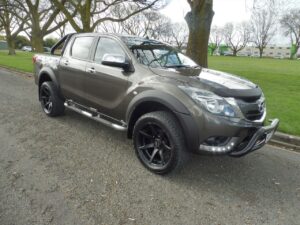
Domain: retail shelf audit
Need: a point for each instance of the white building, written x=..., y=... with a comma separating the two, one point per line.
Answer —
x=269, y=51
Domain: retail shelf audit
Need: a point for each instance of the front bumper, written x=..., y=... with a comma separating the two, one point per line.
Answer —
x=258, y=140
x=236, y=147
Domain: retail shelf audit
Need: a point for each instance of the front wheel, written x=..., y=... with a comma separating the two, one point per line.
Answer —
x=50, y=100
x=159, y=142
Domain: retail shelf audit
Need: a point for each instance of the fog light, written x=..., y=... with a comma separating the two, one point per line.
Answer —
x=213, y=144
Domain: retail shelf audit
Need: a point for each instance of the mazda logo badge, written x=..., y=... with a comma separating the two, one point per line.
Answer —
x=261, y=106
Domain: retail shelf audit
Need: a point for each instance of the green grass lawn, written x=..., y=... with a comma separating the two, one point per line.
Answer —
x=279, y=79
x=21, y=61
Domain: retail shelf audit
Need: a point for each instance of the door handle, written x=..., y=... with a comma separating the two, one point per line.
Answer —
x=66, y=62
x=91, y=70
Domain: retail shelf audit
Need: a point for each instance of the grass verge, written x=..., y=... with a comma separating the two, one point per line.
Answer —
x=22, y=61
x=280, y=81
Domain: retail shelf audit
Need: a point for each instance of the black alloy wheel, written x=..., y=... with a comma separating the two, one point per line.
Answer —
x=46, y=101
x=51, y=103
x=154, y=146
x=159, y=142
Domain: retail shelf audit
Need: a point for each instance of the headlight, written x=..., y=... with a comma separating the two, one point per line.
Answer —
x=212, y=102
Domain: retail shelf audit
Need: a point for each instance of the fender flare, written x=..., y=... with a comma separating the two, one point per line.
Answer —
x=49, y=72
x=186, y=120
x=156, y=96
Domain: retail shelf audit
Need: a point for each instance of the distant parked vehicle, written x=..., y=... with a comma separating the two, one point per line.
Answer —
x=27, y=48
x=255, y=55
x=228, y=53
x=242, y=54
x=46, y=49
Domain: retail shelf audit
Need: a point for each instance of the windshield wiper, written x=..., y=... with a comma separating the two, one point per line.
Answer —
x=179, y=66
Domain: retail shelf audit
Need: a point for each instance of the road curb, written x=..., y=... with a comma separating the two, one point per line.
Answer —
x=286, y=141
x=284, y=145
x=22, y=73
x=294, y=140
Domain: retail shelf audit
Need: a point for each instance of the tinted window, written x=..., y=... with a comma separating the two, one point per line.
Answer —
x=107, y=46
x=81, y=47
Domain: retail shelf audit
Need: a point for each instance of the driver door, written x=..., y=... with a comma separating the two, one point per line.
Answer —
x=106, y=86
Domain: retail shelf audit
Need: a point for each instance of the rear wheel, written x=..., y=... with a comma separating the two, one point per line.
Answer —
x=159, y=142
x=50, y=101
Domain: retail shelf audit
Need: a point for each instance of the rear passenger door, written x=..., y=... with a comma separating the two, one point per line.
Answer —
x=106, y=86
x=72, y=69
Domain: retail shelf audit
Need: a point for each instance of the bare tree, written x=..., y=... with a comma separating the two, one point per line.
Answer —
x=290, y=22
x=179, y=34
x=215, y=38
x=199, y=21
x=161, y=28
x=1, y=24
x=237, y=36
x=150, y=24
x=263, y=24
x=91, y=13
x=110, y=27
x=42, y=15
x=61, y=31
x=144, y=24
x=13, y=21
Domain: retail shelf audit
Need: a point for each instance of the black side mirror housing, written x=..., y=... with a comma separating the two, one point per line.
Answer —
x=118, y=61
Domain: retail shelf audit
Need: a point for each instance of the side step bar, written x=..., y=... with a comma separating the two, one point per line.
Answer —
x=95, y=117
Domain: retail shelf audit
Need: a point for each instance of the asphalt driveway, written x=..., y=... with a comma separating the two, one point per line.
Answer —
x=71, y=170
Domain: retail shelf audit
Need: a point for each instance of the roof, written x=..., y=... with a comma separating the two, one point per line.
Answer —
x=114, y=35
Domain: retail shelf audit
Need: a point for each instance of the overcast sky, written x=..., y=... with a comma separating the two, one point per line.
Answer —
x=225, y=11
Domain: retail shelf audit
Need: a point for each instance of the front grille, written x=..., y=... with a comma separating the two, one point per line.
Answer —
x=254, y=115
x=252, y=110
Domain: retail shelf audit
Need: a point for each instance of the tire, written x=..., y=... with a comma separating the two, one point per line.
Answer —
x=51, y=103
x=159, y=142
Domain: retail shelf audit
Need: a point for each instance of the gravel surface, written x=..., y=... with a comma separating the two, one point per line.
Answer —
x=72, y=170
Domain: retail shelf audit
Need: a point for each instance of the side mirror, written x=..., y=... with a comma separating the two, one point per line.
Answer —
x=116, y=60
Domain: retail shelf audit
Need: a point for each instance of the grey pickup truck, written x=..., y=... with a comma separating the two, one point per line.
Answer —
x=162, y=99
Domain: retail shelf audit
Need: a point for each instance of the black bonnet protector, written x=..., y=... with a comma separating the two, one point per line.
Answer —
x=227, y=85
x=222, y=84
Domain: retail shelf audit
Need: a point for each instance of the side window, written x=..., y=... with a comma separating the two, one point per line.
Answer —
x=107, y=46
x=81, y=47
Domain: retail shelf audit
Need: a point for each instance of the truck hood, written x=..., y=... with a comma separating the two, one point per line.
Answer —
x=221, y=83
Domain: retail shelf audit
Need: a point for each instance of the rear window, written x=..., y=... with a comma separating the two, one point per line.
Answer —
x=81, y=47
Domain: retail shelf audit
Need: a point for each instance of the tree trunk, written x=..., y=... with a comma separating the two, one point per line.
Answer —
x=234, y=52
x=37, y=34
x=10, y=40
x=11, y=45
x=261, y=50
x=199, y=22
x=37, y=41
x=212, y=51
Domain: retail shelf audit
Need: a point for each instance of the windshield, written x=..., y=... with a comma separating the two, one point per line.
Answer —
x=156, y=54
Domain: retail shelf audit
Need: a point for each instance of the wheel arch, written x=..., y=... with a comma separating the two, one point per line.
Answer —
x=47, y=74
x=156, y=101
